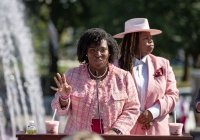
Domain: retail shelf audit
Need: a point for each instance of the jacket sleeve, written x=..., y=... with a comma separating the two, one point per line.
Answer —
x=130, y=113
x=169, y=100
x=55, y=104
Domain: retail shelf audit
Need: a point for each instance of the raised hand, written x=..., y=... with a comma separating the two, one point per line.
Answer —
x=62, y=87
x=146, y=119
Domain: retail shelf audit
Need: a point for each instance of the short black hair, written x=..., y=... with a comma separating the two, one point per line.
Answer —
x=95, y=36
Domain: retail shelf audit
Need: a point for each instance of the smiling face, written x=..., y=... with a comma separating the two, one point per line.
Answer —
x=98, y=56
x=145, y=45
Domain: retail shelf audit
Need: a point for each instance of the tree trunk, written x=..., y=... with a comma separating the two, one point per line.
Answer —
x=53, y=47
x=53, y=55
x=53, y=59
x=186, y=67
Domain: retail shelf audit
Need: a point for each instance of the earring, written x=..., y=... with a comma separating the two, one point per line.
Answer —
x=86, y=55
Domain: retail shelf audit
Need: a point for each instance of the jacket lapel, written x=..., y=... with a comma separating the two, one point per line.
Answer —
x=151, y=81
x=133, y=75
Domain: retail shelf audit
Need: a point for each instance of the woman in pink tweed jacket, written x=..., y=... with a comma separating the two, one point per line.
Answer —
x=153, y=76
x=77, y=89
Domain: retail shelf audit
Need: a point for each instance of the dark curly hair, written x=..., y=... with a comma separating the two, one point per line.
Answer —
x=95, y=36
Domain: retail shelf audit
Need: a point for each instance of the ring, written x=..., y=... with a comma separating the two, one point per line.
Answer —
x=150, y=123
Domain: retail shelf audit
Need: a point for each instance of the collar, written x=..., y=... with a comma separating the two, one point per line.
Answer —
x=142, y=61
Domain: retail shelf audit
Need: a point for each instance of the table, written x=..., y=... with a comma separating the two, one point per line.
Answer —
x=22, y=136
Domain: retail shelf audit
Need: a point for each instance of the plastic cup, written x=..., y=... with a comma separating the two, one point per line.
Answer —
x=175, y=128
x=52, y=127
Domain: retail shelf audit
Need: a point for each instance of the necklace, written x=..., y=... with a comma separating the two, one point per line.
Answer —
x=98, y=76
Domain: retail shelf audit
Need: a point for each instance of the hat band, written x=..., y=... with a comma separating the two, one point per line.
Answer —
x=137, y=28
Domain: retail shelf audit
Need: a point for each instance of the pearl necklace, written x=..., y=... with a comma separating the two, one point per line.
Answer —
x=98, y=76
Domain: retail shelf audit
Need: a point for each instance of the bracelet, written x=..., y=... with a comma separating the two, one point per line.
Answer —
x=64, y=100
x=117, y=131
x=65, y=97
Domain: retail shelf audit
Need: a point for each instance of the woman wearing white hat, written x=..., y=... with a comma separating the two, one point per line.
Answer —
x=153, y=76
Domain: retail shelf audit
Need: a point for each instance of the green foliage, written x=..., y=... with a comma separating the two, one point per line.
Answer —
x=63, y=69
x=179, y=20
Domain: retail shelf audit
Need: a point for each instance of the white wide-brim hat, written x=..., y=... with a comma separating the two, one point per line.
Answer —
x=137, y=25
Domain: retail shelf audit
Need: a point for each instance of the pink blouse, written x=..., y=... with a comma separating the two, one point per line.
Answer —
x=119, y=104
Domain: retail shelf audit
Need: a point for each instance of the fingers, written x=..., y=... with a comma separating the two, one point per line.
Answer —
x=142, y=118
x=145, y=113
x=146, y=116
x=150, y=116
x=146, y=120
x=63, y=78
x=57, y=82
x=62, y=86
x=59, y=78
x=53, y=88
x=147, y=125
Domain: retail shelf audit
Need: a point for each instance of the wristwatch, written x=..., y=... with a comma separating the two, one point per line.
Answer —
x=117, y=131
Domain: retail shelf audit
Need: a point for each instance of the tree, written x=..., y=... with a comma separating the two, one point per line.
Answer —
x=173, y=18
x=57, y=16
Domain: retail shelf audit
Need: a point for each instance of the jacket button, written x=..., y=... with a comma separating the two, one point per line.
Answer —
x=102, y=86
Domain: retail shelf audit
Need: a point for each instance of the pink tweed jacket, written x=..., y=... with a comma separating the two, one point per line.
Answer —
x=119, y=103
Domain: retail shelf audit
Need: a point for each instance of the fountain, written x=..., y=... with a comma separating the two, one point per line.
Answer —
x=23, y=93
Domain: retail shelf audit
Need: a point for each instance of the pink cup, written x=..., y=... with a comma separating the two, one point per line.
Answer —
x=52, y=127
x=175, y=128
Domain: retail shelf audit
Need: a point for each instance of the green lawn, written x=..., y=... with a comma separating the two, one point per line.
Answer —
x=178, y=71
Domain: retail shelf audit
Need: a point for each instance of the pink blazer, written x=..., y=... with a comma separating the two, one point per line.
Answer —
x=119, y=103
x=160, y=89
